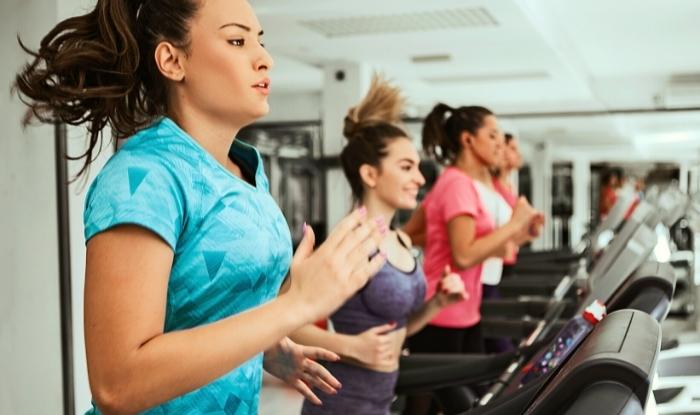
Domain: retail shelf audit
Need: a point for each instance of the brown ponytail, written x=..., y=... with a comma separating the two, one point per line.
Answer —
x=369, y=127
x=443, y=127
x=98, y=69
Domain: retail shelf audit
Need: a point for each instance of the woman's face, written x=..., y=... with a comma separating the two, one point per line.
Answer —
x=513, y=158
x=227, y=68
x=398, y=179
x=488, y=142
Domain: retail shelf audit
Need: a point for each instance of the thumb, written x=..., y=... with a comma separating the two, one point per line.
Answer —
x=384, y=328
x=447, y=271
x=306, y=246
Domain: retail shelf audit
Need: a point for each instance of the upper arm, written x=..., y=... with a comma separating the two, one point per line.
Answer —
x=126, y=282
x=133, y=221
x=461, y=231
x=460, y=207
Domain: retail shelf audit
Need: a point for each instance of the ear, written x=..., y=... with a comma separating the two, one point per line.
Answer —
x=465, y=139
x=170, y=61
x=369, y=175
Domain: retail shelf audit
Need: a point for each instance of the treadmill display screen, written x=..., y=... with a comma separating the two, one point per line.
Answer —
x=558, y=351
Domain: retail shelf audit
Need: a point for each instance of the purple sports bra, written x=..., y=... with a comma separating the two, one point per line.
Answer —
x=391, y=295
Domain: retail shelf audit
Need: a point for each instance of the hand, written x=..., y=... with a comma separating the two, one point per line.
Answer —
x=536, y=225
x=375, y=346
x=450, y=289
x=294, y=364
x=523, y=213
x=322, y=280
x=510, y=250
x=532, y=231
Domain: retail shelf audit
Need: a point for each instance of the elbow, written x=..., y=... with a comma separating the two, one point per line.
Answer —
x=112, y=400
x=463, y=261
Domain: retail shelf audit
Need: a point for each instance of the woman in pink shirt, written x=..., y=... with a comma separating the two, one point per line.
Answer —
x=456, y=228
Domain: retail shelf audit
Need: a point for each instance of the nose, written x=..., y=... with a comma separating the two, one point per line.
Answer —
x=420, y=179
x=263, y=61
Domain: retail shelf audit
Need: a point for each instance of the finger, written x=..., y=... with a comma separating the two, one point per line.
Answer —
x=306, y=246
x=318, y=353
x=358, y=251
x=359, y=277
x=319, y=371
x=384, y=328
x=364, y=239
x=344, y=227
x=357, y=260
x=306, y=392
x=318, y=383
x=447, y=272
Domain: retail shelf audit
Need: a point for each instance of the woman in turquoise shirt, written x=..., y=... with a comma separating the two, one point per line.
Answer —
x=186, y=250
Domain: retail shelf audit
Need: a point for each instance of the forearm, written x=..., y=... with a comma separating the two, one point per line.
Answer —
x=491, y=245
x=172, y=364
x=423, y=316
x=311, y=335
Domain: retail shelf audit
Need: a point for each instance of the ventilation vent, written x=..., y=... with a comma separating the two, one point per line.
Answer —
x=406, y=22
x=491, y=77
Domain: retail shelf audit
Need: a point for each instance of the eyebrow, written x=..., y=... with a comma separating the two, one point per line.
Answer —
x=408, y=160
x=242, y=26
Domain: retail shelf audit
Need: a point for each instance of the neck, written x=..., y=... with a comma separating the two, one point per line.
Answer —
x=472, y=166
x=213, y=134
x=377, y=207
x=504, y=177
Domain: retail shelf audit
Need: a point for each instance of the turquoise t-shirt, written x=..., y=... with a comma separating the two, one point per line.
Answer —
x=231, y=243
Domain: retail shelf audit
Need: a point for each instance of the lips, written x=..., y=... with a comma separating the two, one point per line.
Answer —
x=263, y=86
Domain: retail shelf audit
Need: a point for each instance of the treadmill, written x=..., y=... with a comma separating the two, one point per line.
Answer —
x=591, y=244
x=649, y=289
x=611, y=372
x=517, y=317
x=544, y=283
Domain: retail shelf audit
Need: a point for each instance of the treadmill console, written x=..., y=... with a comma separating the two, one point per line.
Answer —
x=567, y=340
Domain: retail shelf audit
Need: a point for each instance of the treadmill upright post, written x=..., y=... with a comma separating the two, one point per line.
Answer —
x=64, y=275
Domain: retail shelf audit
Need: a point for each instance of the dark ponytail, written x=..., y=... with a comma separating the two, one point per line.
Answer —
x=98, y=69
x=369, y=127
x=443, y=127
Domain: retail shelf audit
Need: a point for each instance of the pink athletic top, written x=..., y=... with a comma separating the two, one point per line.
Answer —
x=453, y=195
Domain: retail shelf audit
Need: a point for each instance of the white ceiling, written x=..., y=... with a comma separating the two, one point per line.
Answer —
x=525, y=56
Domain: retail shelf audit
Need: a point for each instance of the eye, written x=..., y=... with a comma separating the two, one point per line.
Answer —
x=237, y=42
x=262, y=43
x=406, y=167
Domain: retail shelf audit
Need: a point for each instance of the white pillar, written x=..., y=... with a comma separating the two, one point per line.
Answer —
x=541, y=165
x=582, y=199
x=345, y=83
x=30, y=329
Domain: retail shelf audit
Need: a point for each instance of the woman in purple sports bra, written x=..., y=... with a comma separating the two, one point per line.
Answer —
x=381, y=164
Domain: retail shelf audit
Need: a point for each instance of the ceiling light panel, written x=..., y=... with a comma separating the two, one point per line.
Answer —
x=459, y=18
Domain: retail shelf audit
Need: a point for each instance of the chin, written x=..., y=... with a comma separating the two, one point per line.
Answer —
x=257, y=113
x=263, y=110
x=408, y=204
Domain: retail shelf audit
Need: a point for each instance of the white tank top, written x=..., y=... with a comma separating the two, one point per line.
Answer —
x=500, y=212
